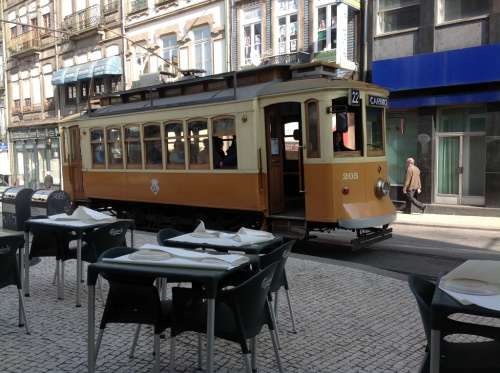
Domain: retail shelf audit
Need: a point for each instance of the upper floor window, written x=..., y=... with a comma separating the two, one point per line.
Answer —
x=397, y=15
x=203, y=50
x=451, y=10
x=288, y=28
x=327, y=28
x=252, y=44
x=141, y=65
x=169, y=53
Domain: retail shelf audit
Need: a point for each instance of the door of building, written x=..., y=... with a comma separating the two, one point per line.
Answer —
x=461, y=169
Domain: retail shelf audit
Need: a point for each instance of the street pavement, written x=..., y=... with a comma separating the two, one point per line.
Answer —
x=350, y=318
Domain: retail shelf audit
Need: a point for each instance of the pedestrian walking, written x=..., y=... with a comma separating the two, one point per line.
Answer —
x=412, y=187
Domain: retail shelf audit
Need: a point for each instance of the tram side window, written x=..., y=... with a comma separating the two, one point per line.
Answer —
x=312, y=132
x=97, y=145
x=374, y=131
x=153, y=145
x=174, y=133
x=199, y=144
x=114, y=145
x=346, y=129
x=133, y=146
x=224, y=139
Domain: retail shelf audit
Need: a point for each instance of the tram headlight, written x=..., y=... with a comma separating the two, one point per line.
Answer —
x=381, y=188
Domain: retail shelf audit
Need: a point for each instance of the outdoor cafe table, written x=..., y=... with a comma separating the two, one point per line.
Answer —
x=209, y=278
x=442, y=306
x=63, y=227
x=189, y=242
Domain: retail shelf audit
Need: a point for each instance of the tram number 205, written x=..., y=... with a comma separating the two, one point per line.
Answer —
x=350, y=176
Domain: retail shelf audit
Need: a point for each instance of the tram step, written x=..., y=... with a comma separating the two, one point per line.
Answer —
x=289, y=228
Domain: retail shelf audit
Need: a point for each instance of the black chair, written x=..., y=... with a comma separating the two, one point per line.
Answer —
x=459, y=357
x=9, y=271
x=94, y=244
x=134, y=300
x=240, y=314
x=166, y=233
x=279, y=280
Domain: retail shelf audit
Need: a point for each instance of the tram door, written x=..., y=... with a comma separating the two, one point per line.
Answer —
x=75, y=163
x=274, y=137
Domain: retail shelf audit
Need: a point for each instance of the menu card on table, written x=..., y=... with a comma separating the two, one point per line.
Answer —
x=172, y=256
x=474, y=282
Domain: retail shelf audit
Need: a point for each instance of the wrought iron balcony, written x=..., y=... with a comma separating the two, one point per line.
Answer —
x=85, y=19
x=287, y=58
x=26, y=43
x=110, y=7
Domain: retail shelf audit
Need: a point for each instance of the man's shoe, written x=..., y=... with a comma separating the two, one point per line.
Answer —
x=423, y=210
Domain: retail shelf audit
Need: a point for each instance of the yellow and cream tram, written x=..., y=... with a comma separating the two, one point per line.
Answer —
x=251, y=148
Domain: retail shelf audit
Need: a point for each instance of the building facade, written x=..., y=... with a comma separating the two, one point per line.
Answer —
x=439, y=59
x=62, y=57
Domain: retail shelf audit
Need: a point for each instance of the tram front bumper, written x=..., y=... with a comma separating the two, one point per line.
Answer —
x=364, y=215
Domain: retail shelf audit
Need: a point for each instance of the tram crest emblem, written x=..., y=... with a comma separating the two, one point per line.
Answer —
x=154, y=186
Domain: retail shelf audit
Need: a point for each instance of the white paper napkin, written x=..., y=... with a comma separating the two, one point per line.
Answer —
x=200, y=231
x=85, y=214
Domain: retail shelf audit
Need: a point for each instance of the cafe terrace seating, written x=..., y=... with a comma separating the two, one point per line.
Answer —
x=134, y=300
x=456, y=357
x=240, y=314
x=9, y=272
x=165, y=234
x=95, y=243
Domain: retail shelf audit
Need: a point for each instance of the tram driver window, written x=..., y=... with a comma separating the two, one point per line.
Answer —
x=346, y=129
x=225, y=152
x=374, y=131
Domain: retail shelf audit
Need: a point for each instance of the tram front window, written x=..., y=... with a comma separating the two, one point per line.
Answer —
x=374, y=131
x=346, y=135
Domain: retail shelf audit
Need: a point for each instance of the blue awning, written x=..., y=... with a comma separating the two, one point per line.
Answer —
x=108, y=66
x=58, y=77
x=86, y=71
x=71, y=74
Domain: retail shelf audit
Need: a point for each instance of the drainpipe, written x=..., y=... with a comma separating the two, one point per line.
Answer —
x=365, y=41
x=58, y=88
x=227, y=28
x=124, y=41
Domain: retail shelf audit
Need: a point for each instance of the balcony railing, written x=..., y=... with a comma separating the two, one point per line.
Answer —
x=27, y=40
x=297, y=57
x=84, y=19
x=110, y=7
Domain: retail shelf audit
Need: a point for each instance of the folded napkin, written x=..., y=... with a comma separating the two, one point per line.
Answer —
x=85, y=214
x=172, y=256
x=474, y=282
x=200, y=231
x=251, y=236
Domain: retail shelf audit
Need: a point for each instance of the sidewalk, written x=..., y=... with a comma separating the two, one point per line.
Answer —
x=441, y=220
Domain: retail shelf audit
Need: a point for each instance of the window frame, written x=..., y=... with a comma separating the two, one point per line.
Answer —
x=113, y=142
x=312, y=153
x=167, y=54
x=383, y=11
x=227, y=136
x=129, y=140
x=199, y=140
x=146, y=139
x=201, y=43
x=169, y=144
x=98, y=142
x=328, y=29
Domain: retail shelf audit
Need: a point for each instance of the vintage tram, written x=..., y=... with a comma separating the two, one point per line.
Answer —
x=252, y=148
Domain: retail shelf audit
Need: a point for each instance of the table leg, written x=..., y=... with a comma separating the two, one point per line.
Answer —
x=131, y=238
x=91, y=329
x=435, y=350
x=210, y=334
x=78, y=271
x=25, y=280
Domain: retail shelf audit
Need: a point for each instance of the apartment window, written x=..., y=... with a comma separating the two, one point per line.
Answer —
x=169, y=53
x=288, y=30
x=46, y=20
x=252, y=44
x=203, y=50
x=327, y=28
x=70, y=93
x=13, y=31
x=98, y=86
x=116, y=84
x=141, y=60
x=84, y=90
x=397, y=15
x=451, y=10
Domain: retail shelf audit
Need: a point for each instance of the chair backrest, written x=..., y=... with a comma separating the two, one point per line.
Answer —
x=9, y=274
x=249, y=301
x=106, y=237
x=423, y=290
x=279, y=255
x=166, y=233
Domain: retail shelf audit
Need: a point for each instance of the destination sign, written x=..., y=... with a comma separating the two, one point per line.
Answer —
x=378, y=101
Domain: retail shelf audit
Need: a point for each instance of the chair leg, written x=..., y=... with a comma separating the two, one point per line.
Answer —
x=100, y=289
x=276, y=349
x=275, y=323
x=247, y=363
x=172, y=355
x=62, y=281
x=23, y=310
x=291, y=310
x=157, y=353
x=200, y=352
x=276, y=306
x=134, y=342
x=98, y=344
x=253, y=349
